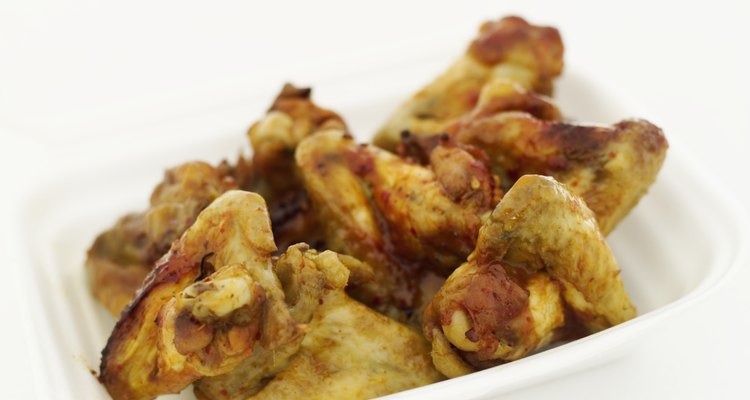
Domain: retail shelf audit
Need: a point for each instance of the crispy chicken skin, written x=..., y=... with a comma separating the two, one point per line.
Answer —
x=610, y=167
x=508, y=50
x=204, y=306
x=122, y=256
x=398, y=216
x=539, y=253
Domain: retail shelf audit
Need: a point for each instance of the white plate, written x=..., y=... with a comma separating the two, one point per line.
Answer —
x=674, y=248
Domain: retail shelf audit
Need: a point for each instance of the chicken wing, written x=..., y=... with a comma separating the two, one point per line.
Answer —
x=609, y=167
x=539, y=254
x=201, y=311
x=508, y=50
x=397, y=216
x=122, y=256
x=305, y=282
x=349, y=351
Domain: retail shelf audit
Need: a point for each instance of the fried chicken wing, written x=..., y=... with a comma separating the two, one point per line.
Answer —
x=304, y=285
x=122, y=256
x=609, y=167
x=522, y=131
x=433, y=212
x=201, y=311
x=397, y=216
x=539, y=254
x=343, y=207
x=349, y=351
x=508, y=50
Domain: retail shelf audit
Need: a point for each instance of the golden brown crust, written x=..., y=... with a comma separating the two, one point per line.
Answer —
x=609, y=167
x=432, y=213
x=513, y=40
x=218, y=312
x=506, y=52
x=292, y=117
x=399, y=217
x=493, y=301
x=121, y=257
x=143, y=356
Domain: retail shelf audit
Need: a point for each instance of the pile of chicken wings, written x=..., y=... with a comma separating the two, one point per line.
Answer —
x=470, y=233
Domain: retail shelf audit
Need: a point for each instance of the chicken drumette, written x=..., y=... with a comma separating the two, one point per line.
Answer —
x=540, y=264
x=199, y=311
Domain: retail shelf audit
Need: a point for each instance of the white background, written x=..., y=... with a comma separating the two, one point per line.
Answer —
x=66, y=66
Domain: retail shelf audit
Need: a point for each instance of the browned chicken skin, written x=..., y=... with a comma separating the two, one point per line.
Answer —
x=400, y=217
x=609, y=167
x=539, y=253
x=522, y=131
x=292, y=117
x=122, y=256
x=197, y=313
x=509, y=50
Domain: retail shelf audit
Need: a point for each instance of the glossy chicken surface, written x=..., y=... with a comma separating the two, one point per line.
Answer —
x=540, y=264
x=122, y=256
x=509, y=50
